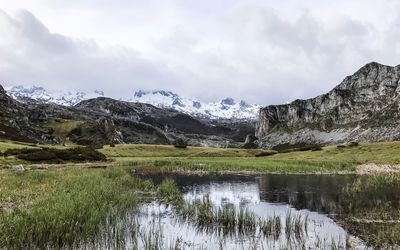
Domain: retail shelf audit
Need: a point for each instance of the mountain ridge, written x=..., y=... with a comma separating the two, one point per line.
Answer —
x=363, y=107
x=227, y=108
x=102, y=120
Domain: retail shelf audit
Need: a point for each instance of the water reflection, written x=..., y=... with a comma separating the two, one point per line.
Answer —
x=312, y=197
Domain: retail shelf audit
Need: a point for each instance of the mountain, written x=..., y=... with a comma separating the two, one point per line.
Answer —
x=103, y=120
x=225, y=109
x=39, y=95
x=364, y=107
x=21, y=122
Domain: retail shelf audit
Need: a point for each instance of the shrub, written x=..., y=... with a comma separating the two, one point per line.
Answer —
x=353, y=144
x=52, y=155
x=180, y=143
x=266, y=153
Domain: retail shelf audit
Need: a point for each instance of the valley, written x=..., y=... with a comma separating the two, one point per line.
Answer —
x=321, y=173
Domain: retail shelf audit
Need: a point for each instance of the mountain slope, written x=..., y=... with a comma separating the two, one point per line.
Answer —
x=364, y=107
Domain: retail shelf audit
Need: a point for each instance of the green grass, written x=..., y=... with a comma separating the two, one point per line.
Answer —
x=372, y=209
x=377, y=152
x=329, y=160
x=140, y=150
x=217, y=164
x=4, y=145
x=62, y=128
x=9, y=161
x=65, y=207
x=167, y=158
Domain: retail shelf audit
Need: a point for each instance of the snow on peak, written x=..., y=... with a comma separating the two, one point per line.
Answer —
x=227, y=108
x=40, y=95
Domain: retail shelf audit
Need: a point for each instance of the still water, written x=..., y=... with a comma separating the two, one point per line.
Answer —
x=313, y=198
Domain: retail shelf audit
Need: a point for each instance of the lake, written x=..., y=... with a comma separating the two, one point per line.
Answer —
x=297, y=211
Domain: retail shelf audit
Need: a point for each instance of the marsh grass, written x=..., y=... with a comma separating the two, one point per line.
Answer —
x=373, y=198
x=169, y=192
x=271, y=226
x=78, y=206
x=218, y=164
x=229, y=220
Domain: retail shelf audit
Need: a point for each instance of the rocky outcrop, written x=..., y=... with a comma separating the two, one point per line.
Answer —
x=20, y=122
x=364, y=107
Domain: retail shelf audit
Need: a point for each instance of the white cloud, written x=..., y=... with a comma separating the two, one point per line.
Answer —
x=261, y=51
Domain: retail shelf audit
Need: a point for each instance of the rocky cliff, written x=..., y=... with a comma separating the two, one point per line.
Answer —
x=364, y=107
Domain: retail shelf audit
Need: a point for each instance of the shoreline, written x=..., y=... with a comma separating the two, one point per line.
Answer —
x=363, y=169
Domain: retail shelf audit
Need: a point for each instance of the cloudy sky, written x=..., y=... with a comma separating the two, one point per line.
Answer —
x=262, y=51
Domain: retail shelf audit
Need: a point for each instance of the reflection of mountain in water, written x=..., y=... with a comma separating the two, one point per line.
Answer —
x=316, y=193
x=319, y=193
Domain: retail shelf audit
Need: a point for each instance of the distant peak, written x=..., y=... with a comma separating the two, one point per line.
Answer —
x=99, y=92
x=244, y=104
x=165, y=93
x=228, y=101
x=141, y=93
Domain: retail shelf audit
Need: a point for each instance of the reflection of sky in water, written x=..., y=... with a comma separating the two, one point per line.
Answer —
x=240, y=194
x=237, y=194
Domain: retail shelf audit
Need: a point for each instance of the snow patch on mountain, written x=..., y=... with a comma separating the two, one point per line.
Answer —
x=37, y=94
x=226, y=109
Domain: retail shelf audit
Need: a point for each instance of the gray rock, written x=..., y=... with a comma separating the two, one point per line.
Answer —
x=18, y=168
x=364, y=107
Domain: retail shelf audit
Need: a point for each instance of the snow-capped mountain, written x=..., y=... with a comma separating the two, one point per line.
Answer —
x=40, y=95
x=226, y=109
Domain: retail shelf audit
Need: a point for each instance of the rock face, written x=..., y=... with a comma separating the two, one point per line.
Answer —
x=364, y=107
x=20, y=122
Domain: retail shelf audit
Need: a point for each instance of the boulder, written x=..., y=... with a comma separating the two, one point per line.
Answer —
x=18, y=168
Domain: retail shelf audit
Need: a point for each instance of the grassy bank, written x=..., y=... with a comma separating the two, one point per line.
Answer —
x=235, y=164
x=330, y=159
x=65, y=207
x=372, y=209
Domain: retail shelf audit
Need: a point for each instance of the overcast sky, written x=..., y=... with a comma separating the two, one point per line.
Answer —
x=262, y=51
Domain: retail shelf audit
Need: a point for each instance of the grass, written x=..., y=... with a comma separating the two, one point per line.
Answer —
x=373, y=197
x=372, y=209
x=5, y=145
x=329, y=160
x=232, y=221
x=64, y=208
x=217, y=164
x=168, y=158
x=62, y=128
x=140, y=150
x=378, y=152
